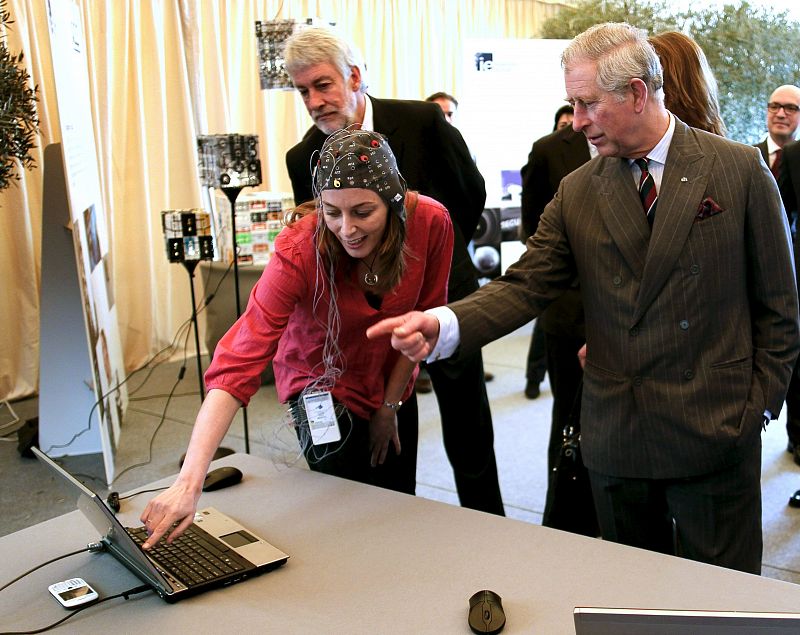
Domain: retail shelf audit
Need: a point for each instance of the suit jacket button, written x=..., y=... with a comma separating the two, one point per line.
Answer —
x=684, y=324
x=688, y=374
x=634, y=331
x=637, y=381
x=694, y=269
x=617, y=281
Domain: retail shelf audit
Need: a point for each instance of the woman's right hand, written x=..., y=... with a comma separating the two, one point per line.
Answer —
x=176, y=505
x=179, y=503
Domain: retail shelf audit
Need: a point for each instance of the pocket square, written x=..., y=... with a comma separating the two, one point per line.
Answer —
x=708, y=208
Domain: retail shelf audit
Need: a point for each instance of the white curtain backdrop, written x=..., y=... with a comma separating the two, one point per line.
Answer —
x=162, y=72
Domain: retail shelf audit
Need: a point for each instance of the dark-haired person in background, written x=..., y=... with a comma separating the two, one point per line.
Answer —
x=789, y=184
x=537, y=190
x=447, y=103
x=559, y=332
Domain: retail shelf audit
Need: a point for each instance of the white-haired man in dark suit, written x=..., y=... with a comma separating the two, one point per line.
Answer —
x=688, y=286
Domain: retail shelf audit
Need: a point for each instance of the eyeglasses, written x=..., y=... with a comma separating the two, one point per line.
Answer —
x=789, y=109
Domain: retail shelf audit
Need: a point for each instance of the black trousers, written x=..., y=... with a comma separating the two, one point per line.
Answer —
x=712, y=518
x=467, y=431
x=350, y=457
x=536, y=365
x=565, y=381
x=793, y=407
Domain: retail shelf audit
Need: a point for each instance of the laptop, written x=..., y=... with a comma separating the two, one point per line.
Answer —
x=616, y=621
x=214, y=551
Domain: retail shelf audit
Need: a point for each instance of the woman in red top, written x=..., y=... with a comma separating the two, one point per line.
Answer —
x=367, y=249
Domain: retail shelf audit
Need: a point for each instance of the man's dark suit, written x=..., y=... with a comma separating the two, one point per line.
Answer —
x=762, y=146
x=789, y=184
x=434, y=160
x=692, y=328
x=551, y=158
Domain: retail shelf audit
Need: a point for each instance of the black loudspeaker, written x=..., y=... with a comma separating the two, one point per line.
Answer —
x=271, y=36
x=229, y=160
x=187, y=235
x=486, y=241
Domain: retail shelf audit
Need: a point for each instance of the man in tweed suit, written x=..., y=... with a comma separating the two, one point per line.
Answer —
x=691, y=325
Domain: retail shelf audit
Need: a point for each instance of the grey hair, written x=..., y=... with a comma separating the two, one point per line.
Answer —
x=621, y=52
x=312, y=45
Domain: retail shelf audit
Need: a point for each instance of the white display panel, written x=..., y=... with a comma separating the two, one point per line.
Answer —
x=60, y=421
x=512, y=89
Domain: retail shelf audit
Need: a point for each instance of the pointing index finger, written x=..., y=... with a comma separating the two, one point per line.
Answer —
x=385, y=327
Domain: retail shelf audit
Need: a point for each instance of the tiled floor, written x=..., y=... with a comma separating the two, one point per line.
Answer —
x=521, y=429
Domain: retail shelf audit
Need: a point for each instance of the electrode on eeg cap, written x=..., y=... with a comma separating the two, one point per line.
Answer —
x=361, y=159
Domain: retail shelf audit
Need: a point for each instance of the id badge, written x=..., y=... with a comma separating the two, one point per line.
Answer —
x=321, y=417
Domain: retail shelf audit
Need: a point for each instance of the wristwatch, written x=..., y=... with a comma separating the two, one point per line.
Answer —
x=392, y=405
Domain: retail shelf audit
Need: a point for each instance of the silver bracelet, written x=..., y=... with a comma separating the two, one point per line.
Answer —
x=392, y=405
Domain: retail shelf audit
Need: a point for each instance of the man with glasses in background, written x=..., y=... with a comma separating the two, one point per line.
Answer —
x=782, y=120
x=783, y=117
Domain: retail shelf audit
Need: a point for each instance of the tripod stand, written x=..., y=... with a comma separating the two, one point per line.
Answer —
x=188, y=241
x=230, y=162
x=233, y=193
x=190, y=266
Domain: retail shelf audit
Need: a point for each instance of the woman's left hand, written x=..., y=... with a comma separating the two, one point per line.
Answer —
x=382, y=431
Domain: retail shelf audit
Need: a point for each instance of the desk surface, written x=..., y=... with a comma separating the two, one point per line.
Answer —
x=366, y=560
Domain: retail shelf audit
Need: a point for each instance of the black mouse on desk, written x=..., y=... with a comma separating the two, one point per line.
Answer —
x=221, y=477
x=486, y=613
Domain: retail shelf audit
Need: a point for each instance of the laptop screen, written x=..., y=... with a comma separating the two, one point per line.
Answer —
x=616, y=621
x=104, y=521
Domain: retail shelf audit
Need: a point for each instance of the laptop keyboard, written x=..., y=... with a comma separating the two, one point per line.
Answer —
x=195, y=557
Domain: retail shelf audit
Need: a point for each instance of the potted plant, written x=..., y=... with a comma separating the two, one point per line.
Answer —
x=19, y=122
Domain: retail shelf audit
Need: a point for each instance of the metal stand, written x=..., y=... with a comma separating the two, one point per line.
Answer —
x=232, y=193
x=191, y=265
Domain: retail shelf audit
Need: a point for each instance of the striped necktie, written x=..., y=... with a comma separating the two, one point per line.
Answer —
x=647, y=190
x=776, y=164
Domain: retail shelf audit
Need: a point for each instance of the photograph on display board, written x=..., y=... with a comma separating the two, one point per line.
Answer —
x=103, y=357
x=92, y=238
x=109, y=283
x=88, y=304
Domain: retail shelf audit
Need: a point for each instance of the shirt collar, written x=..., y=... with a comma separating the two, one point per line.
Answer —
x=772, y=147
x=659, y=153
x=661, y=149
x=368, y=123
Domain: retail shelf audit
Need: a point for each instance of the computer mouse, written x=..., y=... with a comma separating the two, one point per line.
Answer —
x=221, y=477
x=486, y=613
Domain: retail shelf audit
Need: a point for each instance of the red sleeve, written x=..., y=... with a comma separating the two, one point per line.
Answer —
x=250, y=344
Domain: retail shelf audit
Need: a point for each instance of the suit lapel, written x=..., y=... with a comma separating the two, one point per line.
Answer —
x=621, y=211
x=387, y=126
x=684, y=183
x=764, y=151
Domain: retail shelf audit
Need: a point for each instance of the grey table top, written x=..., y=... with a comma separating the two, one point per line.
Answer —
x=366, y=560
